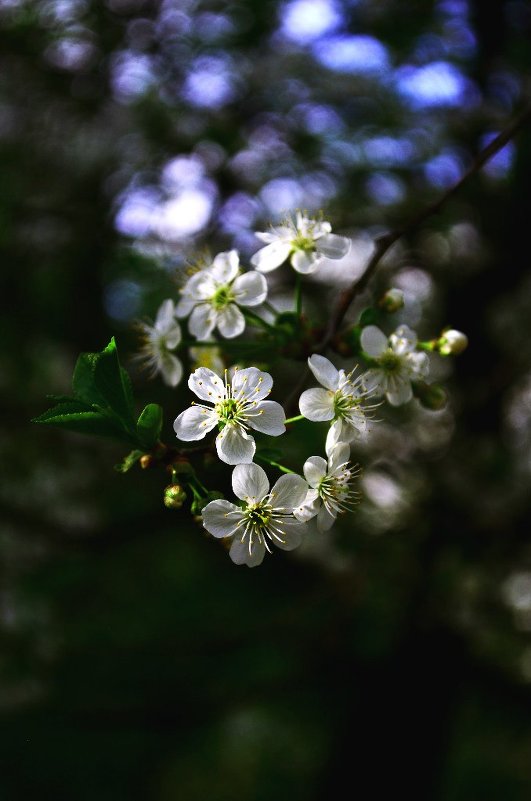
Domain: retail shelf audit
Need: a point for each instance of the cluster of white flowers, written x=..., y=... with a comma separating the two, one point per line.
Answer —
x=218, y=297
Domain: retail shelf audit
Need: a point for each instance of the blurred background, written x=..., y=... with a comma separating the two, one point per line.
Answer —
x=136, y=661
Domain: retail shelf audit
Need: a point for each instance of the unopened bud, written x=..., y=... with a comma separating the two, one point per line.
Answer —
x=146, y=461
x=174, y=496
x=452, y=342
x=432, y=396
x=392, y=301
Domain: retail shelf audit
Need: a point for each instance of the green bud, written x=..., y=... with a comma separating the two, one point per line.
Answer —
x=392, y=301
x=432, y=396
x=452, y=342
x=174, y=496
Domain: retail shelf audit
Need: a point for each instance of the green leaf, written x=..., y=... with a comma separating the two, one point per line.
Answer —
x=113, y=384
x=128, y=461
x=78, y=416
x=83, y=381
x=149, y=425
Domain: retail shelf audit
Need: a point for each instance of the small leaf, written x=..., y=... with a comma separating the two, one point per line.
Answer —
x=113, y=384
x=128, y=461
x=149, y=425
x=77, y=416
x=83, y=381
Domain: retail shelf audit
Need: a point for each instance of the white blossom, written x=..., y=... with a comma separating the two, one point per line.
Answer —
x=236, y=406
x=342, y=401
x=265, y=519
x=398, y=363
x=330, y=484
x=158, y=340
x=305, y=242
x=212, y=297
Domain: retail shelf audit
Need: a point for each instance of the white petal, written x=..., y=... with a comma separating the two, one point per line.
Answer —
x=333, y=246
x=268, y=417
x=403, y=340
x=251, y=383
x=309, y=508
x=373, y=341
x=305, y=262
x=249, y=552
x=185, y=306
x=231, y=321
x=337, y=456
x=202, y=321
x=207, y=385
x=288, y=492
x=272, y=256
x=194, y=423
x=324, y=371
x=317, y=404
x=250, y=482
x=250, y=289
x=165, y=315
x=335, y=435
x=290, y=533
x=325, y=520
x=225, y=267
x=418, y=363
x=375, y=380
x=173, y=335
x=318, y=228
x=171, y=369
x=235, y=446
x=221, y=518
x=399, y=391
x=314, y=470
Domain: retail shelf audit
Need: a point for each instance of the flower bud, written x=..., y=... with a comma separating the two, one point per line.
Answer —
x=392, y=301
x=174, y=496
x=431, y=396
x=146, y=461
x=452, y=342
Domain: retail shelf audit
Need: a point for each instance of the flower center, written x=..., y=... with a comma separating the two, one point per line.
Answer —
x=222, y=297
x=259, y=516
x=390, y=361
x=343, y=404
x=303, y=242
x=335, y=491
x=228, y=411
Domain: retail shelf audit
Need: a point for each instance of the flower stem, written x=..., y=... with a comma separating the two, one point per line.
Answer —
x=294, y=419
x=256, y=320
x=270, y=308
x=298, y=294
x=275, y=464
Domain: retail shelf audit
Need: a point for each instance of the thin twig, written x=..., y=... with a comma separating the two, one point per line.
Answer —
x=386, y=242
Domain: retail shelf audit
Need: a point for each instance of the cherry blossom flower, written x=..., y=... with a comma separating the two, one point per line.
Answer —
x=398, y=363
x=330, y=484
x=343, y=401
x=305, y=242
x=158, y=340
x=265, y=519
x=212, y=297
x=237, y=405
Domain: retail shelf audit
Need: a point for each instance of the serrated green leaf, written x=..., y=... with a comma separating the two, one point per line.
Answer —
x=76, y=416
x=128, y=461
x=113, y=385
x=83, y=381
x=149, y=425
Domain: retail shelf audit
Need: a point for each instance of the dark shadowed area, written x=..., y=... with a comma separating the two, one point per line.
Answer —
x=136, y=661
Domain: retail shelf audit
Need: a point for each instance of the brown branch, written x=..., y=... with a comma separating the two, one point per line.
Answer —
x=386, y=242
